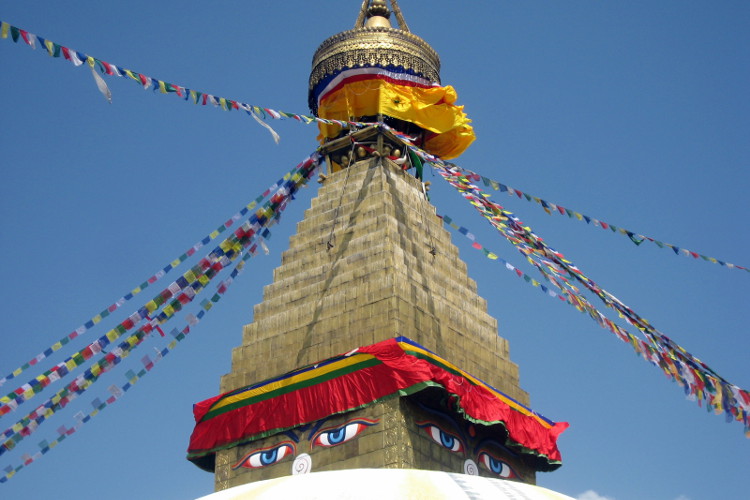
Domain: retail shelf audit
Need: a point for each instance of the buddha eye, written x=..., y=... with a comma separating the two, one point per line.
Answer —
x=334, y=436
x=497, y=466
x=266, y=456
x=443, y=438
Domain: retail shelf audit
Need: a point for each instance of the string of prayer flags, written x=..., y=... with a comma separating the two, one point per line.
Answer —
x=493, y=256
x=553, y=208
x=240, y=243
x=575, y=299
x=88, y=325
x=77, y=58
x=181, y=291
x=698, y=380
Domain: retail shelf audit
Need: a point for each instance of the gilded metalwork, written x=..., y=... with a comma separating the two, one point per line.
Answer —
x=375, y=46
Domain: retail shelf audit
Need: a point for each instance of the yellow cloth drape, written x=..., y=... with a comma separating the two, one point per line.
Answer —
x=432, y=109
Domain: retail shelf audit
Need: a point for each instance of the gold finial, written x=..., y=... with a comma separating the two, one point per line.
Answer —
x=378, y=15
x=375, y=13
x=378, y=8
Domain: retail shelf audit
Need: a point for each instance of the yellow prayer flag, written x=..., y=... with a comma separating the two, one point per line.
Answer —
x=162, y=87
x=4, y=28
x=151, y=306
x=112, y=335
x=96, y=319
x=50, y=47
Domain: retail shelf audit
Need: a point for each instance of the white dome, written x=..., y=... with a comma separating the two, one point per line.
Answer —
x=377, y=484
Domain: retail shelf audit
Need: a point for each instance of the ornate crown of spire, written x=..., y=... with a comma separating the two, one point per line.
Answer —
x=375, y=42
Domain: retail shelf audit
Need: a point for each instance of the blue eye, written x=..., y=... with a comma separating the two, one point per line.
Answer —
x=443, y=438
x=497, y=466
x=334, y=436
x=266, y=456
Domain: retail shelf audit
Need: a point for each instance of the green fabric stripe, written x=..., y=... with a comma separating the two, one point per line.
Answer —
x=367, y=363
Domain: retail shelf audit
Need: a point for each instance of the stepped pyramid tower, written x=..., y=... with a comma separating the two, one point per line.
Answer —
x=372, y=348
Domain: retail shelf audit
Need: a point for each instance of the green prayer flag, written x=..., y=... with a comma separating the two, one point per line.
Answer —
x=417, y=162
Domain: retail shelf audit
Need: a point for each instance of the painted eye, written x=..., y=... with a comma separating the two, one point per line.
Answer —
x=334, y=436
x=266, y=456
x=443, y=438
x=497, y=466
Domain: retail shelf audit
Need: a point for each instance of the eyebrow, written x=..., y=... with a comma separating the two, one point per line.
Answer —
x=447, y=418
x=317, y=426
x=495, y=442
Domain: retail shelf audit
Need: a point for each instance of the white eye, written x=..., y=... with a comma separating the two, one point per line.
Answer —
x=444, y=439
x=338, y=435
x=264, y=458
x=497, y=466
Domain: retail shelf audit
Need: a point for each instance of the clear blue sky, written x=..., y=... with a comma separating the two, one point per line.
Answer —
x=636, y=113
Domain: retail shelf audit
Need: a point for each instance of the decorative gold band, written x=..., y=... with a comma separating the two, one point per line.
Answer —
x=375, y=46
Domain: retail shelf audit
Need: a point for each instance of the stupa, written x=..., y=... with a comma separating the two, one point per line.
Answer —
x=372, y=349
